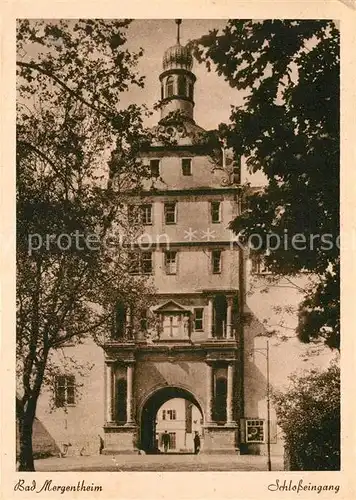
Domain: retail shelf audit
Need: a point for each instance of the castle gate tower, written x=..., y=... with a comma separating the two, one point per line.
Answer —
x=186, y=345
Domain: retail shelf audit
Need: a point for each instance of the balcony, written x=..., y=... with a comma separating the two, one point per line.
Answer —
x=174, y=332
x=172, y=322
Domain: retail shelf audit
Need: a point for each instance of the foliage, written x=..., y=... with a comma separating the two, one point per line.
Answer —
x=309, y=415
x=77, y=157
x=288, y=127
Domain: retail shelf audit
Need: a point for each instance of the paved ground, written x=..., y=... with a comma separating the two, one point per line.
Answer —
x=161, y=463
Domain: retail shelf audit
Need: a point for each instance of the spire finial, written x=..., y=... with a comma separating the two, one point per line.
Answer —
x=178, y=23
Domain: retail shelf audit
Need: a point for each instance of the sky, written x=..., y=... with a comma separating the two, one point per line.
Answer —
x=213, y=95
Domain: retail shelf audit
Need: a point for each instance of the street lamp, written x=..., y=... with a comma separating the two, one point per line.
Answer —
x=265, y=352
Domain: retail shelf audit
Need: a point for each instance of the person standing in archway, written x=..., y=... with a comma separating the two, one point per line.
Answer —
x=166, y=441
x=196, y=443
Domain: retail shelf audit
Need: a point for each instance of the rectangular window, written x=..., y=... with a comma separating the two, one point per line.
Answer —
x=198, y=319
x=186, y=166
x=172, y=414
x=133, y=214
x=141, y=263
x=146, y=211
x=140, y=214
x=64, y=390
x=216, y=261
x=170, y=213
x=170, y=262
x=154, y=166
x=134, y=261
x=215, y=208
x=255, y=431
x=146, y=263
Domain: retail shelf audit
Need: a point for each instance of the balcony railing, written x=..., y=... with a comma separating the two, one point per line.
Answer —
x=157, y=335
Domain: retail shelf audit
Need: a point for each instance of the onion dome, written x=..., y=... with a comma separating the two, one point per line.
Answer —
x=177, y=56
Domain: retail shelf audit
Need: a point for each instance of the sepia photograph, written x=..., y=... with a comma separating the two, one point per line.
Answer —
x=177, y=247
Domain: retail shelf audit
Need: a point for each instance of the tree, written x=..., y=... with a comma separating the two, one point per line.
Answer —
x=309, y=415
x=288, y=127
x=77, y=158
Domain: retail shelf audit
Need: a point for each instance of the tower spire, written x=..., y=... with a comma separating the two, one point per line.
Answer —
x=178, y=23
x=177, y=79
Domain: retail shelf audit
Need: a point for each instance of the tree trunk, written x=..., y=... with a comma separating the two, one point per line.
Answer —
x=26, y=419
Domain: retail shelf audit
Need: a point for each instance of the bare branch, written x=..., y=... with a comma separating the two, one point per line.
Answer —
x=70, y=91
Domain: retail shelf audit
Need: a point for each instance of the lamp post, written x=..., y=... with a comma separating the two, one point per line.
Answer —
x=265, y=352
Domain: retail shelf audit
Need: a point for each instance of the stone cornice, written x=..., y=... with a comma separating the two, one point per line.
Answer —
x=212, y=351
x=204, y=243
x=176, y=71
x=187, y=191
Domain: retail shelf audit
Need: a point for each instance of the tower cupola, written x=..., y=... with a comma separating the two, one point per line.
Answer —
x=177, y=57
x=177, y=80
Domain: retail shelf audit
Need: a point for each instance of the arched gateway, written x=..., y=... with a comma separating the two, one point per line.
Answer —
x=190, y=343
x=148, y=414
x=140, y=378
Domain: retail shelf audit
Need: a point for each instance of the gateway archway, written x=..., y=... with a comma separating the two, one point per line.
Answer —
x=149, y=414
